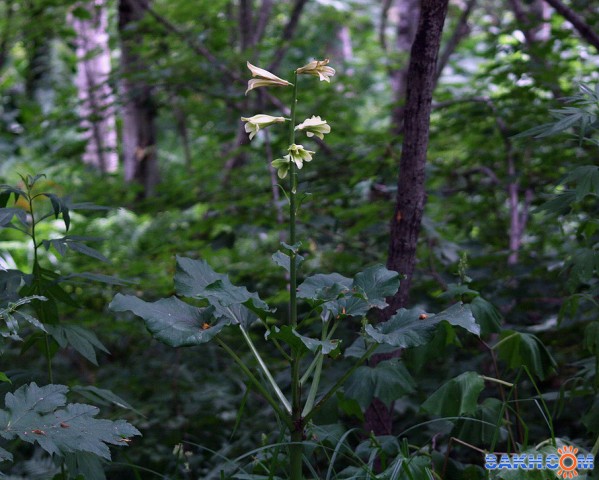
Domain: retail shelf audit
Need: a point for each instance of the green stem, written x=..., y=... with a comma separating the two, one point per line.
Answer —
x=314, y=387
x=265, y=370
x=37, y=280
x=267, y=396
x=340, y=382
x=297, y=430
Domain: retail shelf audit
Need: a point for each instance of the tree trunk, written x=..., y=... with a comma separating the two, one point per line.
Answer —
x=95, y=93
x=411, y=196
x=139, y=131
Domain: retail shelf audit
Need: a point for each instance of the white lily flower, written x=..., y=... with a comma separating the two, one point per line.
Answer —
x=255, y=123
x=319, y=69
x=265, y=79
x=298, y=155
x=314, y=126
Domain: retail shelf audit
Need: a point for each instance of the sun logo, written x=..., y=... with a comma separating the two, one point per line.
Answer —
x=567, y=462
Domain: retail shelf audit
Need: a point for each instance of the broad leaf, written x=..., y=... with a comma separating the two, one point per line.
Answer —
x=388, y=381
x=40, y=415
x=375, y=284
x=324, y=287
x=172, y=321
x=457, y=397
x=283, y=260
x=195, y=278
x=517, y=349
x=412, y=328
x=486, y=315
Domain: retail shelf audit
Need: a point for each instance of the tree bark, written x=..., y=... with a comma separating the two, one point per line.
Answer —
x=411, y=195
x=139, y=131
x=585, y=30
x=95, y=94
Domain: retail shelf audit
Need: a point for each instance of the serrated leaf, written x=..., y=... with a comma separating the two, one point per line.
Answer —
x=412, y=328
x=457, y=397
x=324, y=287
x=585, y=179
x=518, y=348
x=388, y=381
x=172, y=321
x=195, y=278
x=33, y=414
x=283, y=260
x=376, y=283
x=558, y=205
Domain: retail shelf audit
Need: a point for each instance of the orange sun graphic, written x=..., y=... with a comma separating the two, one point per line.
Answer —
x=567, y=462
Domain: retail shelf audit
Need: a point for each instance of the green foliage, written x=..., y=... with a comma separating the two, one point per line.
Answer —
x=457, y=397
x=41, y=415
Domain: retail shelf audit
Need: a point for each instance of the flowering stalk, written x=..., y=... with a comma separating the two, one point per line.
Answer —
x=296, y=448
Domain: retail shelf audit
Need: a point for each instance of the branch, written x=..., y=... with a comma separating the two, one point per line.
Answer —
x=262, y=21
x=583, y=28
x=288, y=33
x=383, y=27
x=461, y=30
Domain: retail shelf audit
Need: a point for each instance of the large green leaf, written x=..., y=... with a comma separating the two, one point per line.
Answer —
x=172, y=321
x=518, y=348
x=40, y=415
x=457, y=397
x=388, y=381
x=195, y=278
x=412, y=328
x=338, y=295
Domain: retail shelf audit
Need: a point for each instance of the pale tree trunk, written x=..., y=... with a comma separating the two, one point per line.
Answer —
x=139, y=130
x=95, y=94
x=411, y=194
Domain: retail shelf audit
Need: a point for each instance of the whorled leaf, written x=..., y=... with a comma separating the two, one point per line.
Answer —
x=195, y=278
x=40, y=415
x=412, y=328
x=339, y=295
x=172, y=321
x=303, y=344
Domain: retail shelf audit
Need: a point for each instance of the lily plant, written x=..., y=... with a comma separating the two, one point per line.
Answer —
x=333, y=299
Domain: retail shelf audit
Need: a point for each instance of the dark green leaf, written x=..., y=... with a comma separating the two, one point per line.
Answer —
x=172, y=321
x=457, y=397
x=195, y=278
x=82, y=340
x=412, y=328
x=33, y=414
x=324, y=287
x=375, y=284
x=388, y=381
x=283, y=260
x=517, y=349
x=486, y=315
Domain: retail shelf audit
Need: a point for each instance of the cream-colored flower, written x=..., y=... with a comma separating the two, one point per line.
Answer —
x=265, y=79
x=314, y=126
x=255, y=123
x=282, y=166
x=319, y=69
x=298, y=155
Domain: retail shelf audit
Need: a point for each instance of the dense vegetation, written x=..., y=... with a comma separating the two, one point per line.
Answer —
x=126, y=171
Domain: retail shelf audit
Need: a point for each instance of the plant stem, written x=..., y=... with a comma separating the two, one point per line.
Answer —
x=37, y=281
x=267, y=396
x=297, y=430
